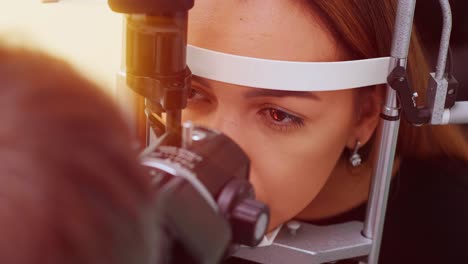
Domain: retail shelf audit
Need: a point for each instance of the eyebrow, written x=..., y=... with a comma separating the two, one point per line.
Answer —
x=260, y=92
x=279, y=93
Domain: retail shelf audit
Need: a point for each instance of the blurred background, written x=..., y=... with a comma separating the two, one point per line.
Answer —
x=84, y=32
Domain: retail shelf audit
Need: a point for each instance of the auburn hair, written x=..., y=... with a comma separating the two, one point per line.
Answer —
x=364, y=28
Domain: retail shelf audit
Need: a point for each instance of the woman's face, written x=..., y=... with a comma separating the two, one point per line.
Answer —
x=294, y=139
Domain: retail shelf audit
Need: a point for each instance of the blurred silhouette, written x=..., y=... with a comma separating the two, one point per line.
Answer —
x=71, y=189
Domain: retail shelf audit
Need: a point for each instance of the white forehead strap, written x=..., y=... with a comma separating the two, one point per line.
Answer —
x=286, y=75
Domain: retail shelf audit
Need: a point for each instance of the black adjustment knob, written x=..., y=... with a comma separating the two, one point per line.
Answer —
x=249, y=221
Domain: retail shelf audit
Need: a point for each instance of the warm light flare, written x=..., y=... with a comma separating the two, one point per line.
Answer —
x=84, y=32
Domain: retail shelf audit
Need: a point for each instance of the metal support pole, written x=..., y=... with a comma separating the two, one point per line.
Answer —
x=438, y=83
x=445, y=39
x=388, y=133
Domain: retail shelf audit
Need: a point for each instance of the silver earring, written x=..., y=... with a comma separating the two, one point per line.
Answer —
x=355, y=158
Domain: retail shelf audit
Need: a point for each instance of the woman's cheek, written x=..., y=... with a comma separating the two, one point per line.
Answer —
x=289, y=176
x=287, y=186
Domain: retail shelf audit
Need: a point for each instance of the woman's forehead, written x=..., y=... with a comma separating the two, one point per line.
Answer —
x=278, y=30
x=282, y=45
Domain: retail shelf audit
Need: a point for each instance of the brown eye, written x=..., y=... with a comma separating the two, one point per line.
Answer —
x=192, y=93
x=279, y=120
x=197, y=94
x=278, y=115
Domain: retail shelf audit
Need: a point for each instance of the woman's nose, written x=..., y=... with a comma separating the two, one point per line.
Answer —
x=227, y=122
x=228, y=125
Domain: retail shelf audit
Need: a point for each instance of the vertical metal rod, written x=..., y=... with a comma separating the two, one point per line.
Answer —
x=174, y=123
x=147, y=123
x=373, y=229
x=388, y=133
x=445, y=39
x=403, y=28
x=187, y=131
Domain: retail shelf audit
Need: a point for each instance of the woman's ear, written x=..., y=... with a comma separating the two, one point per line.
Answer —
x=368, y=107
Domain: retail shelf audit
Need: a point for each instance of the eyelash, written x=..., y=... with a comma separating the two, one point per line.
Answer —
x=292, y=121
x=198, y=92
x=197, y=95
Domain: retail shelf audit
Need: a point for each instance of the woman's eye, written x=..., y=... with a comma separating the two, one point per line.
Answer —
x=280, y=120
x=196, y=94
x=278, y=115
